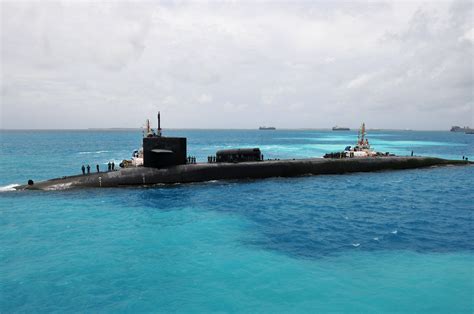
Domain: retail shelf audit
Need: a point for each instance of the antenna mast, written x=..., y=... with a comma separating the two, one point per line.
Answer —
x=158, y=132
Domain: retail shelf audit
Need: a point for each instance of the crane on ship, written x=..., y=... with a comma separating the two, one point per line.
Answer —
x=362, y=142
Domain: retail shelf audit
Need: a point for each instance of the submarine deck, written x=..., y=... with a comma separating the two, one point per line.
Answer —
x=200, y=172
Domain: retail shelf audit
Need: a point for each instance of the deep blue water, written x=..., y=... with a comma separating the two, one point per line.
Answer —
x=370, y=242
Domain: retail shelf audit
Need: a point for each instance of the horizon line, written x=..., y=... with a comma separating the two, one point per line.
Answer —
x=237, y=129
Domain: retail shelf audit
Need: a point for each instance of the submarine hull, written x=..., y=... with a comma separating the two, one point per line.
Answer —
x=230, y=171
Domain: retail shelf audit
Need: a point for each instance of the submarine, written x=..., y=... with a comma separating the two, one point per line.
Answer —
x=164, y=160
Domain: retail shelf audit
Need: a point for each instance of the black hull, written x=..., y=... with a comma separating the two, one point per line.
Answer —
x=231, y=171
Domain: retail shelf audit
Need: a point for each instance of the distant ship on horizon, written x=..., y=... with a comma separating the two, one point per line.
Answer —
x=337, y=128
x=267, y=128
x=465, y=129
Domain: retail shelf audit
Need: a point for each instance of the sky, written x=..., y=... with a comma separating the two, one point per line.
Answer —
x=237, y=64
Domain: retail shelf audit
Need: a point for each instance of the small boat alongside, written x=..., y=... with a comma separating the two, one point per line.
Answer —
x=361, y=149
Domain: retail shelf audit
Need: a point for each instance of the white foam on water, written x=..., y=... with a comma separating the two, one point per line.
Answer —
x=414, y=143
x=58, y=187
x=376, y=239
x=355, y=244
x=395, y=231
x=8, y=188
x=97, y=152
x=320, y=138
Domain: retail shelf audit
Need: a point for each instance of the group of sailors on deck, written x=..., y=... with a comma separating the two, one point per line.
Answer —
x=110, y=167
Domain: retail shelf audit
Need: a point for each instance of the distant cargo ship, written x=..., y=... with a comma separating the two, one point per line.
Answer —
x=337, y=128
x=465, y=129
x=267, y=128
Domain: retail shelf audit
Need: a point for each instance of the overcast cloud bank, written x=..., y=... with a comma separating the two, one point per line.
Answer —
x=237, y=64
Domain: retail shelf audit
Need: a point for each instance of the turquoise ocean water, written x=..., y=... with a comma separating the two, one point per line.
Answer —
x=399, y=241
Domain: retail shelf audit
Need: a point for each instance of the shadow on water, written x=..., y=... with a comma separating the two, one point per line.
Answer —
x=427, y=210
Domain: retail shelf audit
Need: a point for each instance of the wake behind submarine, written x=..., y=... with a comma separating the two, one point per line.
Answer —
x=164, y=160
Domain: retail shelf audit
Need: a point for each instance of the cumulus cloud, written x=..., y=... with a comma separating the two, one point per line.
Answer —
x=237, y=64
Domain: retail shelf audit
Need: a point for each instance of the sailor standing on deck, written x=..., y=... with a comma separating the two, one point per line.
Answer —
x=88, y=169
x=113, y=166
x=83, y=170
